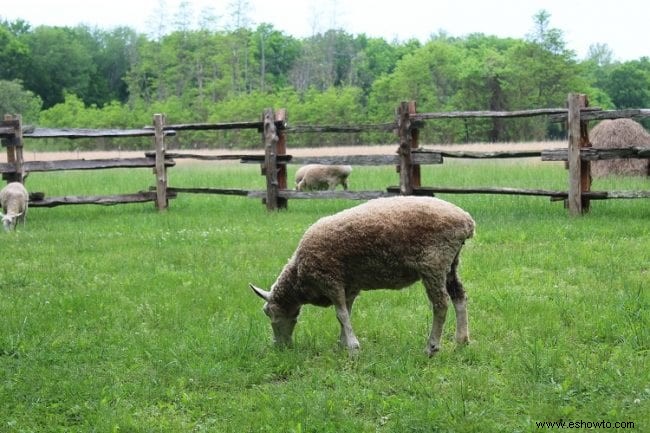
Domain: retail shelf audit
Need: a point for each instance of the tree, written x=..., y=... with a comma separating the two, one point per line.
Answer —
x=628, y=84
x=550, y=39
x=325, y=61
x=275, y=53
x=601, y=54
x=483, y=81
x=14, y=99
x=112, y=53
x=375, y=57
x=60, y=60
x=13, y=50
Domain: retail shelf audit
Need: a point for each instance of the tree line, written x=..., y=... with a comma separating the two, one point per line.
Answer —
x=89, y=77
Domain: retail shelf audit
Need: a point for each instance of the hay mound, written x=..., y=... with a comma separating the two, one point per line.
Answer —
x=617, y=133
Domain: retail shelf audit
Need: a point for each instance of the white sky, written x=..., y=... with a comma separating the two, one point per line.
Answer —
x=621, y=24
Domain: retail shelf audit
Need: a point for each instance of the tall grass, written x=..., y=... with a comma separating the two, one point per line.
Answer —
x=125, y=319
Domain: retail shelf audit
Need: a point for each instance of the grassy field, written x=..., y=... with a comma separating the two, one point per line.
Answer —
x=123, y=319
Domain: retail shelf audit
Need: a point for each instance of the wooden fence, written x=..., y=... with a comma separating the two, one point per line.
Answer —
x=16, y=168
x=274, y=130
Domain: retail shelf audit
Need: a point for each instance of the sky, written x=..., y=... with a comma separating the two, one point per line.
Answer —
x=619, y=24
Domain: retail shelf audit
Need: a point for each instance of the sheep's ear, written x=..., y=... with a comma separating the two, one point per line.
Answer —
x=261, y=293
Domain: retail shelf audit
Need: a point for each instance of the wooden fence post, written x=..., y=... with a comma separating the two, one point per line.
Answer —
x=15, y=149
x=416, y=180
x=579, y=171
x=281, y=117
x=270, y=139
x=160, y=169
x=409, y=177
x=585, y=166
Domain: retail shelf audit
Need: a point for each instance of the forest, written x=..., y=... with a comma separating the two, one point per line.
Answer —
x=94, y=78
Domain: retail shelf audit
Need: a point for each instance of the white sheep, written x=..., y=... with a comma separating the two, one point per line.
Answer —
x=14, y=200
x=385, y=243
x=322, y=177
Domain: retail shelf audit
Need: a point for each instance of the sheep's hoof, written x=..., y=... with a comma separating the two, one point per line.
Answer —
x=352, y=346
x=353, y=352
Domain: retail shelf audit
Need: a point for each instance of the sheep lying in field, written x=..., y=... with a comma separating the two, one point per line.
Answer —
x=316, y=177
x=385, y=243
x=14, y=200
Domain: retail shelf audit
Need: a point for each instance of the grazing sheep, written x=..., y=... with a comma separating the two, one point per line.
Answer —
x=14, y=200
x=319, y=177
x=385, y=243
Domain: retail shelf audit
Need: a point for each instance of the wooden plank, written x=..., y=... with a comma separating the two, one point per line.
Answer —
x=221, y=126
x=386, y=127
x=270, y=139
x=627, y=194
x=347, y=195
x=597, y=154
x=404, y=150
x=597, y=114
x=490, y=155
x=173, y=155
x=222, y=191
x=487, y=114
x=73, y=133
x=160, y=163
x=615, y=114
x=483, y=190
x=418, y=157
x=585, y=166
x=103, y=200
x=416, y=181
x=281, y=147
x=573, y=158
x=83, y=164
x=6, y=131
x=14, y=145
x=554, y=195
x=558, y=154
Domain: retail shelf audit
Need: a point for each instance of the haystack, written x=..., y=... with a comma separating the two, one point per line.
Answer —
x=619, y=133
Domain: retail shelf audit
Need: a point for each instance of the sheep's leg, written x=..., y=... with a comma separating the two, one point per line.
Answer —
x=348, y=305
x=435, y=287
x=459, y=299
x=343, y=309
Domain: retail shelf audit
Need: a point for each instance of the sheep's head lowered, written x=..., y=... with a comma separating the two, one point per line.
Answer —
x=282, y=321
x=385, y=243
x=9, y=220
x=319, y=177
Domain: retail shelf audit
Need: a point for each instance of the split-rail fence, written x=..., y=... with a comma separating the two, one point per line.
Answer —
x=274, y=129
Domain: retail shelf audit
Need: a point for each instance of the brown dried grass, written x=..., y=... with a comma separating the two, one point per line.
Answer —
x=614, y=134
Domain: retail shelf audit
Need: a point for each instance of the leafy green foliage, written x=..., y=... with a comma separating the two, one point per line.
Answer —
x=14, y=99
x=192, y=72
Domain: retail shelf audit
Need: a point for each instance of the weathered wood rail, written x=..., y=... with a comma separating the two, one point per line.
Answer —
x=596, y=154
x=104, y=200
x=74, y=133
x=84, y=164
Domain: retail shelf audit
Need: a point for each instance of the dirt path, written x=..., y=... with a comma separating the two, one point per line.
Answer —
x=320, y=151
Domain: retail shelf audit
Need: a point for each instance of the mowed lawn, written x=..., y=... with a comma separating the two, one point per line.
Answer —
x=124, y=319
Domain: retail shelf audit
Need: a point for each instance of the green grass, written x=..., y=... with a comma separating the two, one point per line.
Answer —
x=123, y=319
